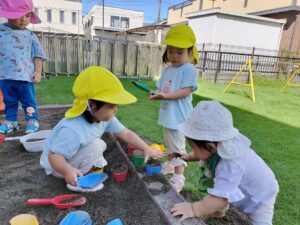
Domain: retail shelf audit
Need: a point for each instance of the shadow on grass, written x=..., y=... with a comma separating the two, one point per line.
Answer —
x=278, y=144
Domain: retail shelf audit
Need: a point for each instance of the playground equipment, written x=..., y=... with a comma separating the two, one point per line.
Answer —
x=291, y=79
x=251, y=84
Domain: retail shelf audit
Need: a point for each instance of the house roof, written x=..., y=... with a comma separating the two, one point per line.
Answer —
x=276, y=10
x=224, y=12
x=145, y=29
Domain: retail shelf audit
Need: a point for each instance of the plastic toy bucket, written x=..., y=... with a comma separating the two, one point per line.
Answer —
x=137, y=161
x=119, y=176
x=153, y=169
x=131, y=149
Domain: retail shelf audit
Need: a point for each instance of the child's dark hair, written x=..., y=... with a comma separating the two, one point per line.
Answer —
x=165, y=56
x=201, y=143
x=87, y=114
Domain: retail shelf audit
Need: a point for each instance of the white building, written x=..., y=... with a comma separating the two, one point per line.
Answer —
x=2, y=20
x=115, y=20
x=221, y=27
x=59, y=16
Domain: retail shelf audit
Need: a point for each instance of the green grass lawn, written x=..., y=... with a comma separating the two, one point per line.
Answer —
x=272, y=123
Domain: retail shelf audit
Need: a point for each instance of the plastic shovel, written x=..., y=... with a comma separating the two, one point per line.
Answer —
x=3, y=138
x=24, y=219
x=91, y=180
x=143, y=86
x=77, y=218
x=58, y=201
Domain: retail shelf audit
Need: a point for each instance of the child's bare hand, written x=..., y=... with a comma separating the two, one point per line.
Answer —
x=184, y=209
x=183, y=156
x=37, y=76
x=158, y=96
x=154, y=154
x=71, y=175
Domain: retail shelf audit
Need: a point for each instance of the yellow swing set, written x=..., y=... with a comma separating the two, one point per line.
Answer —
x=291, y=79
x=251, y=82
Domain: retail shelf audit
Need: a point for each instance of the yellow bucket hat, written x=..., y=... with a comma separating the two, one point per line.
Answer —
x=182, y=36
x=97, y=83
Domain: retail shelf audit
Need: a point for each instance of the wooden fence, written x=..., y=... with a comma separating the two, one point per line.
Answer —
x=71, y=54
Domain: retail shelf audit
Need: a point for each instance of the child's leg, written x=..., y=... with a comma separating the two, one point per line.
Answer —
x=88, y=157
x=26, y=94
x=167, y=166
x=11, y=106
x=175, y=142
x=264, y=214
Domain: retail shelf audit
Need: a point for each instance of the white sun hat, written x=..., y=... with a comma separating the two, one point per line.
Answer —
x=210, y=121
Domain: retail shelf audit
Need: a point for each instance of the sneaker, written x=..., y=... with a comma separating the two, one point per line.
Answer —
x=81, y=189
x=177, y=182
x=32, y=125
x=8, y=126
x=167, y=167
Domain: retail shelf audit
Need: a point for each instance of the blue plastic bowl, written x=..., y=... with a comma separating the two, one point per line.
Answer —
x=153, y=169
x=115, y=222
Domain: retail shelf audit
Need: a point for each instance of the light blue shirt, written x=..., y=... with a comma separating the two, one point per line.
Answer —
x=246, y=182
x=174, y=112
x=70, y=135
x=18, y=48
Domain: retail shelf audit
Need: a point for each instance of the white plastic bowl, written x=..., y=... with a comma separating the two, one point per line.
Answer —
x=35, y=146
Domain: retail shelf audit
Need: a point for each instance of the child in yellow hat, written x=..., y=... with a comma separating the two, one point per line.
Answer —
x=74, y=146
x=175, y=87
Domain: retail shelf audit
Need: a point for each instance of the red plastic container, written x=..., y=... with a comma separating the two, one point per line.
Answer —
x=119, y=172
x=131, y=149
x=2, y=138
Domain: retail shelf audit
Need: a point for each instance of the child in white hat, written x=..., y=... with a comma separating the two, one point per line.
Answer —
x=240, y=176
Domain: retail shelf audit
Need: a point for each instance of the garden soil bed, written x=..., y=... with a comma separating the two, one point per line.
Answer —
x=22, y=178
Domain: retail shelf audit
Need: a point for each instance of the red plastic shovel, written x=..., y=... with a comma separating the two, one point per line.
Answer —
x=60, y=202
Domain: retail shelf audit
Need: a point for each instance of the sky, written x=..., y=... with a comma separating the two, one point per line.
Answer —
x=148, y=6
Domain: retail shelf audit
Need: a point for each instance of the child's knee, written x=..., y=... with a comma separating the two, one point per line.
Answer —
x=96, y=147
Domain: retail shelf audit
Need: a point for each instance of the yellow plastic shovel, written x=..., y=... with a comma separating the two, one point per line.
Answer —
x=24, y=219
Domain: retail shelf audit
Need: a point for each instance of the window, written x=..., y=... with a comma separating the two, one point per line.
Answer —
x=115, y=21
x=119, y=22
x=125, y=22
x=74, y=18
x=245, y=3
x=62, y=16
x=49, y=15
x=36, y=11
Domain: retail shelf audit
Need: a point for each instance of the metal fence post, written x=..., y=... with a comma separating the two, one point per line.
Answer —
x=201, y=67
x=218, y=63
